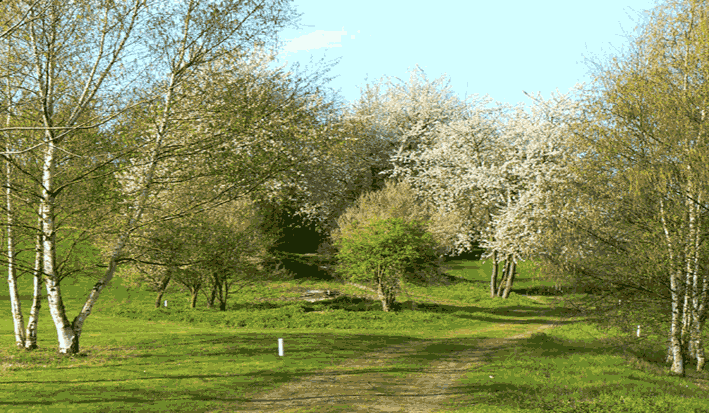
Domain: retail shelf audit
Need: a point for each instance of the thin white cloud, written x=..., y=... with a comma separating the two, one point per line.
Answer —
x=316, y=40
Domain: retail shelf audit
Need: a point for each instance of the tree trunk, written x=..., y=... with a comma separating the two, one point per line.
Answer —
x=15, y=305
x=68, y=341
x=701, y=319
x=697, y=347
x=194, y=294
x=213, y=294
x=493, y=278
x=387, y=293
x=139, y=207
x=219, y=292
x=505, y=274
x=675, y=344
x=510, y=278
x=677, y=367
x=163, y=286
x=222, y=304
x=31, y=335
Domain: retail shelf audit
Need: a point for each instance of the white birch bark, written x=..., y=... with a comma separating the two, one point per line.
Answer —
x=32, y=323
x=696, y=348
x=45, y=43
x=15, y=305
x=68, y=341
x=675, y=350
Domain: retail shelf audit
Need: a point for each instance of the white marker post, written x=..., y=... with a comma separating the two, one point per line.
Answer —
x=165, y=303
x=638, y=331
x=280, y=347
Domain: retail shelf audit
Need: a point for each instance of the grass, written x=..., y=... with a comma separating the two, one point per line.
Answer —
x=136, y=357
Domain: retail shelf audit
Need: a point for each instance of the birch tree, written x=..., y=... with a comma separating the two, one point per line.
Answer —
x=78, y=51
x=186, y=36
x=644, y=137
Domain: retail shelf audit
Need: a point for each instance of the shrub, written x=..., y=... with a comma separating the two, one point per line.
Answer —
x=383, y=252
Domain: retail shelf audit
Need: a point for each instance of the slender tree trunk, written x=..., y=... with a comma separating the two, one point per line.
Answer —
x=163, y=286
x=510, y=277
x=387, y=293
x=219, y=291
x=138, y=209
x=493, y=278
x=686, y=323
x=697, y=347
x=222, y=304
x=505, y=273
x=213, y=294
x=675, y=343
x=68, y=340
x=15, y=304
x=194, y=293
x=31, y=335
x=701, y=319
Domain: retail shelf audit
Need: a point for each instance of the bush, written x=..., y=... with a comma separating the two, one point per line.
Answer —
x=383, y=252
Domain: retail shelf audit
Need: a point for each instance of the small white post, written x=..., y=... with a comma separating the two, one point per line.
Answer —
x=638, y=331
x=280, y=347
x=165, y=303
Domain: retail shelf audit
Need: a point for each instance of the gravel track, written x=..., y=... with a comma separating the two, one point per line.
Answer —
x=363, y=385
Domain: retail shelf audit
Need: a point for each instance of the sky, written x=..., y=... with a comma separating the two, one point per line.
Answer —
x=495, y=48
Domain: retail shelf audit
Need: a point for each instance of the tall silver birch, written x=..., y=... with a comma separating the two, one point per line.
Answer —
x=15, y=305
x=33, y=322
x=202, y=36
x=675, y=349
x=50, y=40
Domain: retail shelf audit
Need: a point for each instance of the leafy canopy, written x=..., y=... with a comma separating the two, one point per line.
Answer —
x=389, y=248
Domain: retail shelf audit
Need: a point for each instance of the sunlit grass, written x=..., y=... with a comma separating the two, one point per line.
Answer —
x=564, y=370
x=137, y=357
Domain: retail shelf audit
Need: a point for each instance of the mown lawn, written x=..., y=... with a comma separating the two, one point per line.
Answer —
x=135, y=357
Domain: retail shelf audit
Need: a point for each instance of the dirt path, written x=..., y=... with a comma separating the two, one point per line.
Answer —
x=363, y=385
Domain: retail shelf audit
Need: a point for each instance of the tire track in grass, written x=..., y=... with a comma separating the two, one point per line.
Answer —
x=367, y=384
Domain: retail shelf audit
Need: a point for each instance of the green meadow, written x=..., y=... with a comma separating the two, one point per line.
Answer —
x=135, y=357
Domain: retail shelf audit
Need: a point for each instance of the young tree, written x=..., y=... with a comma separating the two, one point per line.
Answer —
x=399, y=200
x=385, y=252
x=216, y=252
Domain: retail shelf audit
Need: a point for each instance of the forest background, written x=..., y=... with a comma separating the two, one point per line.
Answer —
x=156, y=139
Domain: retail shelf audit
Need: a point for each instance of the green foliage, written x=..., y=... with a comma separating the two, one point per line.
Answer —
x=384, y=252
x=399, y=200
x=389, y=248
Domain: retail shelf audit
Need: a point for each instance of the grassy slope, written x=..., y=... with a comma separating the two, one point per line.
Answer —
x=174, y=359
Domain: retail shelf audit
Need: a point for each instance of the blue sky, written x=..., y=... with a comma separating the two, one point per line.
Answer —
x=498, y=48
